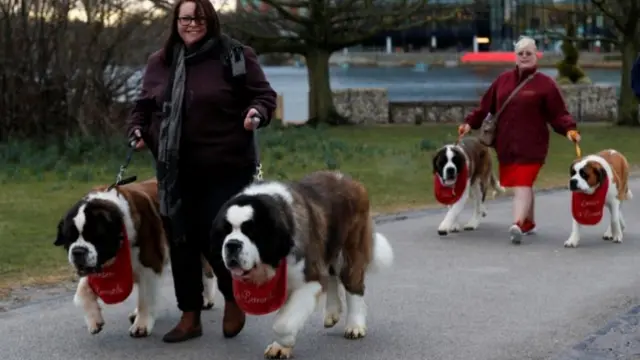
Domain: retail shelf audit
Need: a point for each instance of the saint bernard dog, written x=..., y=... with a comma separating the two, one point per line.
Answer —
x=320, y=229
x=465, y=167
x=125, y=221
x=607, y=172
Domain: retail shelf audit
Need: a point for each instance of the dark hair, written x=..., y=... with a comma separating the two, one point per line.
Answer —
x=205, y=9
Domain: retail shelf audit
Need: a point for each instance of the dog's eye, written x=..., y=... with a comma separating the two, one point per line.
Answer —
x=247, y=228
x=583, y=174
x=572, y=171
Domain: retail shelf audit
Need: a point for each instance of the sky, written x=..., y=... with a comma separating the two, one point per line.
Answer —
x=220, y=5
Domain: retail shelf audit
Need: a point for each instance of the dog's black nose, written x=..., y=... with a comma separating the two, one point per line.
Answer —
x=573, y=184
x=233, y=263
x=233, y=246
x=79, y=252
x=450, y=173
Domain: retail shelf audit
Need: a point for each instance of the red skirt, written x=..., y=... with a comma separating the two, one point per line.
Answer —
x=519, y=174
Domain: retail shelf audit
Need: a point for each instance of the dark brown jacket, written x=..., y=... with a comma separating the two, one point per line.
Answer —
x=213, y=134
x=522, y=134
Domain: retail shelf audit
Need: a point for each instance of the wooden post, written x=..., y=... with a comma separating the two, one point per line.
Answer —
x=279, y=114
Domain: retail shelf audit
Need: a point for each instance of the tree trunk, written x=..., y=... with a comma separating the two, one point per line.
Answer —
x=321, y=106
x=627, y=102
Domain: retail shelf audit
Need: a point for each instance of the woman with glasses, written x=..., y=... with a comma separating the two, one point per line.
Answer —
x=198, y=121
x=522, y=133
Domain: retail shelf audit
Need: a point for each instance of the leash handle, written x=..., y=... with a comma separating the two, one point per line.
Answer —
x=578, y=150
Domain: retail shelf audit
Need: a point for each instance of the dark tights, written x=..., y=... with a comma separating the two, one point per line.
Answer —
x=202, y=199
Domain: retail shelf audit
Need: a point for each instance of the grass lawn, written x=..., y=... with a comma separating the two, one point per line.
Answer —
x=38, y=185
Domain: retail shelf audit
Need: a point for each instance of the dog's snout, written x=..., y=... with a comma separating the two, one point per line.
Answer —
x=233, y=246
x=573, y=184
x=450, y=172
x=79, y=252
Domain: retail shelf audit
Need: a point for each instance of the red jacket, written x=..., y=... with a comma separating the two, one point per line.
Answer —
x=522, y=134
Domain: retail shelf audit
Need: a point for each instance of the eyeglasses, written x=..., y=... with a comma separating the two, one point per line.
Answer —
x=525, y=53
x=186, y=20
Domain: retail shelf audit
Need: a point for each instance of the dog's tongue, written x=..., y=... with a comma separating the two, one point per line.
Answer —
x=238, y=272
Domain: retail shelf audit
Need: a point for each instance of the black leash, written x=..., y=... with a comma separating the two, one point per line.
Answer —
x=119, y=180
x=259, y=175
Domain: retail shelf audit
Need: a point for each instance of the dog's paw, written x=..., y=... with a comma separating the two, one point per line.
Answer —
x=331, y=318
x=572, y=242
x=616, y=238
x=472, y=224
x=142, y=326
x=355, y=332
x=207, y=303
x=277, y=351
x=332, y=310
x=94, y=326
x=445, y=229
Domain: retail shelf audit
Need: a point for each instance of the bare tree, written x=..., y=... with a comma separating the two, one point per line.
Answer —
x=624, y=17
x=317, y=28
x=67, y=67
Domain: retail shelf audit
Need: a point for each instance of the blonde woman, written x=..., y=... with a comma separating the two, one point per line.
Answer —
x=522, y=134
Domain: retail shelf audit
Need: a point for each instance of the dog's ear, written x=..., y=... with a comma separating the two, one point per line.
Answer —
x=602, y=174
x=60, y=235
x=280, y=231
x=434, y=160
x=433, y=164
x=572, y=169
x=217, y=231
x=596, y=174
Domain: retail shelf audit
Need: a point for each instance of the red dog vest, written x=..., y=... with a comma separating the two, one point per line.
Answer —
x=589, y=209
x=265, y=298
x=447, y=195
x=114, y=283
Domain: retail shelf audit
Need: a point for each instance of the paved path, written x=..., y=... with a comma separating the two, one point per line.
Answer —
x=468, y=296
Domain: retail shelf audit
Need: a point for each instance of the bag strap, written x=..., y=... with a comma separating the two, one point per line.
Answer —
x=233, y=59
x=514, y=92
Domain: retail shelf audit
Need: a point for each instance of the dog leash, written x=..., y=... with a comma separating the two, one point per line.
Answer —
x=259, y=174
x=119, y=180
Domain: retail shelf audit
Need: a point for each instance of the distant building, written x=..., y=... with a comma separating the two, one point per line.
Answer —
x=502, y=22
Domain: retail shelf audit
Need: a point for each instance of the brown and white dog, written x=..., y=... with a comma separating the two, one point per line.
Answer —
x=472, y=158
x=92, y=232
x=588, y=174
x=321, y=227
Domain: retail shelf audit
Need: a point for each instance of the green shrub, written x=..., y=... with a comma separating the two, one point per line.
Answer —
x=569, y=72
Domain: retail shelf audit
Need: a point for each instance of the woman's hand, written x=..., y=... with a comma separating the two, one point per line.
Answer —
x=136, y=140
x=252, y=120
x=573, y=136
x=463, y=129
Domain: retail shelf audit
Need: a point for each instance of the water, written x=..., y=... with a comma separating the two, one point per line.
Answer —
x=403, y=84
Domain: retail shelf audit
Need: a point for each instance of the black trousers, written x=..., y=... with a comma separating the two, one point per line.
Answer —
x=202, y=197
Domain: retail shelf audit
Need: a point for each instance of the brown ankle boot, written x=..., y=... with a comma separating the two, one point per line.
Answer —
x=233, y=320
x=188, y=328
